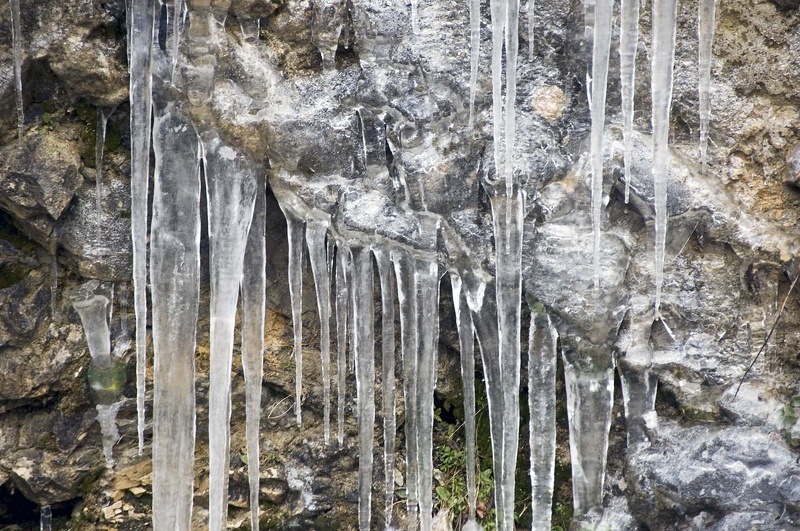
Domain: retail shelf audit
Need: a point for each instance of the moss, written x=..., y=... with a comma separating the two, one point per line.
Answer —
x=91, y=481
x=11, y=274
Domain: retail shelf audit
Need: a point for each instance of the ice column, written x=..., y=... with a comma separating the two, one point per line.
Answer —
x=141, y=16
x=628, y=41
x=317, y=225
x=254, y=283
x=364, y=315
x=295, y=227
x=590, y=396
x=602, y=44
x=707, y=14
x=174, y=273
x=382, y=258
x=542, y=408
x=665, y=12
x=231, y=194
x=343, y=261
x=16, y=44
x=466, y=341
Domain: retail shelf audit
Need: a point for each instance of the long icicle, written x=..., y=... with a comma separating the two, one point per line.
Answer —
x=602, y=45
x=295, y=228
x=499, y=10
x=512, y=50
x=666, y=13
x=475, y=52
x=707, y=15
x=141, y=19
x=16, y=43
x=99, y=145
x=531, y=27
x=388, y=380
x=254, y=283
x=176, y=34
x=628, y=41
x=342, y=299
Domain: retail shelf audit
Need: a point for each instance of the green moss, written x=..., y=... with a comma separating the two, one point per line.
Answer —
x=11, y=274
x=90, y=481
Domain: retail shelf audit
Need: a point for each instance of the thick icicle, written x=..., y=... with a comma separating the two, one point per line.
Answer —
x=100, y=141
x=45, y=518
x=175, y=276
x=141, y=17
x=388, y=381
x=231, y=194
x=707, y=14
x=590, y=396
x=407, y=301
x=364, y=315
x=317, y=225
x=602, y=45
x=16, y=44
x=475, y=53
x=254, y=284
x=107, y=418
x=542, y=407
x=426, y=277
x=639, y=386
x=343, y=260
x=507, y=216
x=92, y=307
x=295, y=228
x=499, y=9
x=628, y=41
x=512, y=50
x=466, y=341
x=666, y=13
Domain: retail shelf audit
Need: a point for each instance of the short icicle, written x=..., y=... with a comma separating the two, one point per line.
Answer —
x=604, y=10
x=141, y=17
x=99, y=145
x=317, y=225
x=16, y=44
x=707, y=15
x=343, y=260
x=295, y=228
x=364, y=315
x=628, y=41
x=175, y=276
x=231, y=194
x=254, y=283
x=383, y=261
x=466, y=342
x=542, y=407
x=666, y=12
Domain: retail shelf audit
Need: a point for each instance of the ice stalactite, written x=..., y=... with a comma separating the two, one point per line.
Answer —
x=512, y=51
x=639, y=386
x=124, y=327
x=383, y=260
x=499, y=10
x=466, y=341
x=177, y=19
x=99, y=145
x=54, y=279
x=531, y=27
x=141, y=20
x=231, y=194
x=45, y=518
x=475, y=53
x=107, y=418
x=628, y=42
x=604, y=10
x=508, y=216
x=542, y=408
x=707, y=15
x=92, y=307
x=364, y=315
x=407, y=300
x=295, y=229
x=343, y=260
x=414, y=17
x=666, y=12
x=590, y=397
x=254, y=285
x=317, y=226
x=16, y=45
x=329, y=17
x=175, y=277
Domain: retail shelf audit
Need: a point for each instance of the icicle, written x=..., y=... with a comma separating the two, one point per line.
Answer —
x=107, y=418
x=254, y=284
x=628, y=41
x=602, y=45
x=707, y=14
x=499, y=10
x=351, y=308
x=45, y=518
x=316, y=234
x=531, y=27
x=466, y=341
x=100, y=141
x=426, y=277
x=414, y=17
x=590, y=396
x=343, y=260
x=364, y=315
x=175, y=277
x=639, y=385
x=54, y=282
x=666, y=12
x=512, y=49
x=124, y=327
x=93, y=311
x=407, y=300
x=16, y=40
x=295, y=227
x=508, y=216
x=542, y=408
x=141, y=17
x=176, y=34
x=388, y=380
x=475, y=52
x=328, y=19
x=231, y=194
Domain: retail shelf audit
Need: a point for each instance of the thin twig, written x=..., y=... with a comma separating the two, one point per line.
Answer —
x=766, y=341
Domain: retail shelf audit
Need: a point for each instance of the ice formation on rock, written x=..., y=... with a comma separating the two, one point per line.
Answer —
x=16, y=43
